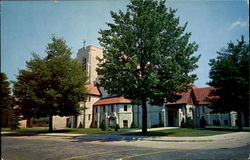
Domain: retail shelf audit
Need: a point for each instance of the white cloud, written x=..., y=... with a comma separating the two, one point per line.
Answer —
x=238, y=24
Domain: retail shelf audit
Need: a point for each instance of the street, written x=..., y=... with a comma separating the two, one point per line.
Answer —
x=42, y=147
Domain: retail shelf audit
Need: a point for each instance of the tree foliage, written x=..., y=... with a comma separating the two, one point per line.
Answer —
x=52, y=85
x=147, y=55
x=5, y=100
x=229, y=76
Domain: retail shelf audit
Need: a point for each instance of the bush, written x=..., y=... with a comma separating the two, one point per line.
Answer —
x=161, y=124
x=117, y=127
x=155, y=126
x=183, y=124
x=203, y=122
x=133, y=125
x=218, y=123
x=188, y=124
x=93, y=124
x=103, y=125
x=80, y=125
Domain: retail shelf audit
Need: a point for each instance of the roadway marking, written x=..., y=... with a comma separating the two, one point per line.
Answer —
x=98, y=153
x=151, y=153
x=127, y=157
x=145, y=154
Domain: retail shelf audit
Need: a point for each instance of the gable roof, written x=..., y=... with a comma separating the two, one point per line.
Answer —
x=92, y=90
x=201, y=94
x=185, y=98
x=112, y=100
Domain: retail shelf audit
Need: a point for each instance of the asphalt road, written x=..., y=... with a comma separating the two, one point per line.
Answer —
x=70, y=148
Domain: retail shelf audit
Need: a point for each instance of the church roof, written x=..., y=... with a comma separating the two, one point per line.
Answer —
x=185, y=98
x=112, y=100
x=92, y=90
x=201, y=94
x=194, y=96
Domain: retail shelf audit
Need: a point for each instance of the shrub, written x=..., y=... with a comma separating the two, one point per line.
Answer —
x=188, y=124
x=161, y=124
x=103, y=125
x=218, y=123
x=133, y=125
x=93, y=124
x=183, y=124
x=203, y=122
x=117, y=127
x=155, y=126
x=80, y=125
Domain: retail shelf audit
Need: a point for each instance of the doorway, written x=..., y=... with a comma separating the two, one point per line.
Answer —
x=172, y=117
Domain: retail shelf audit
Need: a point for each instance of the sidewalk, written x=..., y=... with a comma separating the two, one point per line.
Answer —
x=121, y=136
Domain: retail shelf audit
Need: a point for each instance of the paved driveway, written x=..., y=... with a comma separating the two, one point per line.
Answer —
x=117, y=146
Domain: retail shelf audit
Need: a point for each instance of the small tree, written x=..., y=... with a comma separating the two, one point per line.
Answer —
x=52, y=85
x=229, y=76
x=147, y=55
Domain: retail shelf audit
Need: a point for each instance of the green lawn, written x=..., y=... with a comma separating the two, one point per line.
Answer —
x=35, y=129
x=183, y=132
x=227, y=128
x=179, y=132
x=67, y=130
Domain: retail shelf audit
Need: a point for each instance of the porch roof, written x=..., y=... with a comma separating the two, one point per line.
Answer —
x=112, y=100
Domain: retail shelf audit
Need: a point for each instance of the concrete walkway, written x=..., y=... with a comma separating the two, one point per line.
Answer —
x=121, y=136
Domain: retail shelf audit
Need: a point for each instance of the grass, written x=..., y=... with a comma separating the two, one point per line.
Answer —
x=234, y=128
x=183, y=132
x=67, y=130
x=35, y=129
x=179, y=132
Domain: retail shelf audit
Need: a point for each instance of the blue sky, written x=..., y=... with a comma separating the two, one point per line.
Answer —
x=26, y=26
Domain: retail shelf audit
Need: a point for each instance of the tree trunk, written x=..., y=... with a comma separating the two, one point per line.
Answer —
x=84, y=115
x=229, y=117
x=239, y=123
x=144, y=117
x=50, y=123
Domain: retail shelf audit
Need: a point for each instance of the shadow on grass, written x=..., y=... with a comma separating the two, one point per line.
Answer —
x=32, y=133
x=154, y=133
x=229, y=129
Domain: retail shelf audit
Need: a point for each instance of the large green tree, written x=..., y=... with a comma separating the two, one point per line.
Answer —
x=229, y=76
x=147, y=55
x=5, y=100
x=52, y=85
